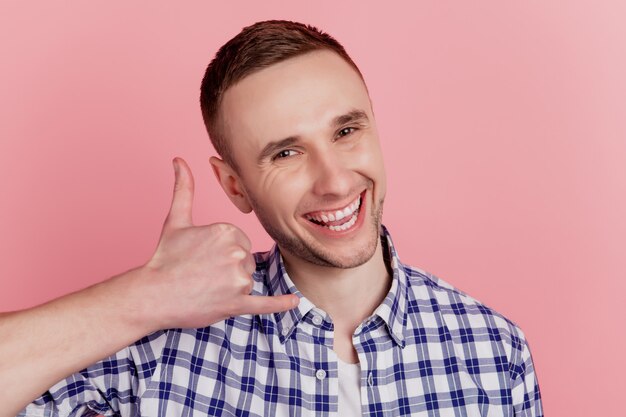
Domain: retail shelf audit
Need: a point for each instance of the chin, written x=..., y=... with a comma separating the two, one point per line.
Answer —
x=319, y=245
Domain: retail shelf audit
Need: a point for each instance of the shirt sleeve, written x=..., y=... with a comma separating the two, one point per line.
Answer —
x=525, y=388
x=109, y=387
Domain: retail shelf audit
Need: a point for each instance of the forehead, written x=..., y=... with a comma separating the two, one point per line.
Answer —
x=296, y=97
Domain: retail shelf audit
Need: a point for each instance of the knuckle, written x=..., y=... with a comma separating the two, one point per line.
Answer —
x=238, y=253
x=221, y=228
x=242, y=284
x=229, y=228
x=230, y=232
x=247, y=284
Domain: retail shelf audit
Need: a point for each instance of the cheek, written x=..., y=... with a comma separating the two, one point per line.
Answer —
x=282, y=190
x=369, y=158
x=380, y=164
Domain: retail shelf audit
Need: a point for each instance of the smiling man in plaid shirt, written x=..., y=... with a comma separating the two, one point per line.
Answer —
x=329, y=322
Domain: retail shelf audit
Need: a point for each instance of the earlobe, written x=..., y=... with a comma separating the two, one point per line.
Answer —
x=231, y=184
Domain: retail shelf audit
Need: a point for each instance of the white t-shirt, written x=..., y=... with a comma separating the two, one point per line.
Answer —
x=349, y=389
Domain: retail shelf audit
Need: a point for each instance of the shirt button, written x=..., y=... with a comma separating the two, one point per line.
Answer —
x=285, y=331
x=317, y=320
x=320, y=374
x=370, y=380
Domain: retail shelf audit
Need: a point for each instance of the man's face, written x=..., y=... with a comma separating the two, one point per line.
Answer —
x=304, y=137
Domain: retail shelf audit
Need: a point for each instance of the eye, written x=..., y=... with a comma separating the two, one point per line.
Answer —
x=346, y=131
x=284, y=154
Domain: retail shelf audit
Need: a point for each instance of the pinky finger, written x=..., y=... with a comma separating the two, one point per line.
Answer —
x=261, y=304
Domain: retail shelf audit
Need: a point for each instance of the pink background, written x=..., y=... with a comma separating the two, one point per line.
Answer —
x=503, y=126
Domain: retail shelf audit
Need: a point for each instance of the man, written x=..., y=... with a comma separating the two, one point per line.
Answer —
x=329, y=322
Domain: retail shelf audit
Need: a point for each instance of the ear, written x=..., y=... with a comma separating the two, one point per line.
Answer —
x=231, y=184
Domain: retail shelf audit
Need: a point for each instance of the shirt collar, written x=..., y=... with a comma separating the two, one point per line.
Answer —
x=393, y=309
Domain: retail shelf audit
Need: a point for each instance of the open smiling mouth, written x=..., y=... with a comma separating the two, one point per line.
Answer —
x=337, y=220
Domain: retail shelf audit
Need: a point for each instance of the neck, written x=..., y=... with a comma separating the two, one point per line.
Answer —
x=347, y=295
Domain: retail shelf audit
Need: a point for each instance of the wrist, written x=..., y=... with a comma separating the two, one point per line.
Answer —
x=133, y=300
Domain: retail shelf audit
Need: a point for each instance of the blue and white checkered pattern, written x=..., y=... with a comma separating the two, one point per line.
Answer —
x=428, y=350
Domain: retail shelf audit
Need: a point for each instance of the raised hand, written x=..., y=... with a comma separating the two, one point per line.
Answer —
x=200, y=275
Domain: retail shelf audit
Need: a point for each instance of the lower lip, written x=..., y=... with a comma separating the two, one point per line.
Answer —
x=342, y=233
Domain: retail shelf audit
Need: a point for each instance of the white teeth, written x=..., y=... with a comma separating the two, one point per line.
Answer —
x=339, y=215
x=344, y=226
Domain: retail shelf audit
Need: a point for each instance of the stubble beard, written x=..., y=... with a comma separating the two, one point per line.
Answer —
x=317, y=254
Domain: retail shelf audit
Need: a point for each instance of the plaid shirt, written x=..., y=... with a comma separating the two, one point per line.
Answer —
x=427, y=350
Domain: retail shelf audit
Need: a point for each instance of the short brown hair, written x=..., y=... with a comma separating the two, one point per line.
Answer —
x=256, y=47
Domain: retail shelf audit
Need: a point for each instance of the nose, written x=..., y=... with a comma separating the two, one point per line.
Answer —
x=332, y=176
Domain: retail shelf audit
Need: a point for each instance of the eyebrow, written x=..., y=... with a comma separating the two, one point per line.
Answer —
x=350, y=117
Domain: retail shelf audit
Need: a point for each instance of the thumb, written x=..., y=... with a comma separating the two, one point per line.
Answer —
x=180, y=214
